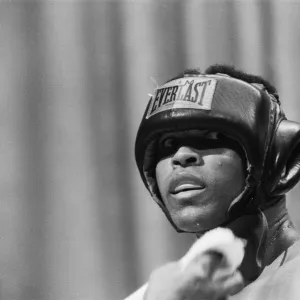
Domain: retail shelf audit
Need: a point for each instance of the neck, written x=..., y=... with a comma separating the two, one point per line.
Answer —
x=281, y=233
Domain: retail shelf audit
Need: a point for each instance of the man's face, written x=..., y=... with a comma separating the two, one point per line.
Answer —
x=198, y=177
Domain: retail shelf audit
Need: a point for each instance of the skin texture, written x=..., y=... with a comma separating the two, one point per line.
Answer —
x=216, y=170
x=198, y=177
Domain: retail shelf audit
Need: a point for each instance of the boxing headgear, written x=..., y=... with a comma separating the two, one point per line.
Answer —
x=243, y=112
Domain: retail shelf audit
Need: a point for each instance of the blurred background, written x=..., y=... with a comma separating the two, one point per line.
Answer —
x=76, y=221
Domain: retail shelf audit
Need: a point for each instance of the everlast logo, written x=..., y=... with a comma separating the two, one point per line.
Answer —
x=189, y=92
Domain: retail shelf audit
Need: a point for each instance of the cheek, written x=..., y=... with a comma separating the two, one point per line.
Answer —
x=162, y=171
x=227, y=171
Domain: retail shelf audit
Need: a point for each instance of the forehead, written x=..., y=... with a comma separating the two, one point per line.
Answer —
x=190, y=133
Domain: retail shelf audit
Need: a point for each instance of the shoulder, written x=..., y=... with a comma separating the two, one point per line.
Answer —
x=280, y=280
x=283, y=280
x=292, y=254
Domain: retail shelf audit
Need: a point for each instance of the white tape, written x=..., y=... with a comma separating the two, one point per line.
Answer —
x=221, y=240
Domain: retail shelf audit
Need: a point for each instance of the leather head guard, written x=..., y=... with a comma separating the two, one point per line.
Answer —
x=245, y=113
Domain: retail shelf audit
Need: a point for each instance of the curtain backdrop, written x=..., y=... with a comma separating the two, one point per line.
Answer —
x=76, y=221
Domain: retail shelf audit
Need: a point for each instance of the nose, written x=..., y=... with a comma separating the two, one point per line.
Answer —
x=186, y=156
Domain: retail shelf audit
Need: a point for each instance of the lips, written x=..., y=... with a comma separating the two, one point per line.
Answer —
x=186, y=187
x=184, y=183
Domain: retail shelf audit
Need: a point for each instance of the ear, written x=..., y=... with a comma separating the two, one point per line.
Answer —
x=284, y=159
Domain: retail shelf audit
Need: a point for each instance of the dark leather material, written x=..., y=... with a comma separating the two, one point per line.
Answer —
x=249, y=115
x=239, y=110
x=252, y=227
x=283, y=168
x=245, y=113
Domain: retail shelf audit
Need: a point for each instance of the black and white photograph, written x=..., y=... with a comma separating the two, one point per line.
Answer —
x=149, y=150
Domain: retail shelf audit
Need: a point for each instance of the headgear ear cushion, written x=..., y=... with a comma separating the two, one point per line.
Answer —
x=283, y=165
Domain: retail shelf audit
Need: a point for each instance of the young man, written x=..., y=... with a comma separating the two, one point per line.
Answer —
x=216, y=150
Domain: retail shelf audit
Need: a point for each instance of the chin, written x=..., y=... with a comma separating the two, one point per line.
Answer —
x=190, y=223
x=189, y=220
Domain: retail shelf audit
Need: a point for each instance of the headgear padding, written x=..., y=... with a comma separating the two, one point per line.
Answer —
x=245, y=113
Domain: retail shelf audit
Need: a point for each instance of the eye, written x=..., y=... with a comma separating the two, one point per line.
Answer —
x=214, y=135
x=169, y=143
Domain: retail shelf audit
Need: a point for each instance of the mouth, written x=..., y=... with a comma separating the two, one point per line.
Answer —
x=186, y=187
x=187, y=194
